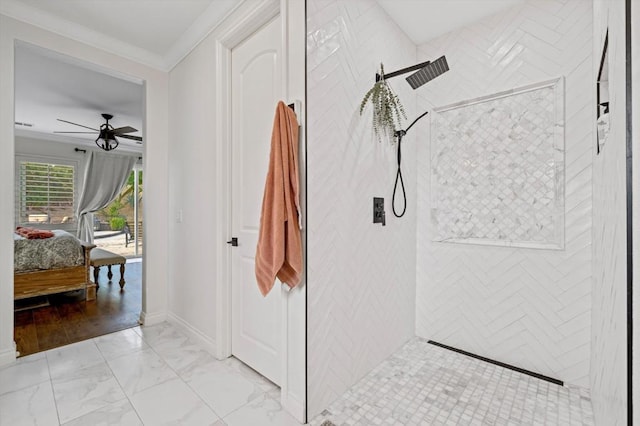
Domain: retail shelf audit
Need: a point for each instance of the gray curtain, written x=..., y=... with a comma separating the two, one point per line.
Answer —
x=104, y=177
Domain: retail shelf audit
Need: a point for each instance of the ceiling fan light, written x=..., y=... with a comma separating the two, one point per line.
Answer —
x=106, y=139
x=106, y=142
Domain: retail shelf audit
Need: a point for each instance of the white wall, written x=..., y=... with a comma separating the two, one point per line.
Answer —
x=526, y=307
x=196, y=150
x=199, y=164
x=28, y=145
x=361, y=276
x=608, y=376
x=194, y=243
x=156, y=160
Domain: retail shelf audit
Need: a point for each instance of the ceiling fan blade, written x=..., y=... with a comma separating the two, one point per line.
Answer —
x=76, y=124
x=125, y=129
x=88, y=133
x=135, y=138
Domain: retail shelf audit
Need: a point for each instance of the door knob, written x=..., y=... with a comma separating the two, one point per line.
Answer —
x=233, y=242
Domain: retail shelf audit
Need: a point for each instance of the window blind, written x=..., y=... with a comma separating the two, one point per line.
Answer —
x=45, y=193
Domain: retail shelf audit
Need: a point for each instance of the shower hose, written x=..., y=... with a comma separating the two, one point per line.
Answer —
x=400, y=134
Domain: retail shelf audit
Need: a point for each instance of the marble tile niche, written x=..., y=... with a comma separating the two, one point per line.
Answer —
x=497, y=168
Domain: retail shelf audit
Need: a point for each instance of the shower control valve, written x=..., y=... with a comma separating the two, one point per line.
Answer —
x=379, y=215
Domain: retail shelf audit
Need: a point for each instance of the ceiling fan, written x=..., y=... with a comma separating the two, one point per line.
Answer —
x=107, y=134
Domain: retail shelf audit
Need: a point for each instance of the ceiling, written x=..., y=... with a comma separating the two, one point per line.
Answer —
x=158, y=33
x=51, y=86
x=423, y=20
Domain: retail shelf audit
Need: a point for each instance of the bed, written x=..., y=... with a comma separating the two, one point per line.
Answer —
x=52, y=265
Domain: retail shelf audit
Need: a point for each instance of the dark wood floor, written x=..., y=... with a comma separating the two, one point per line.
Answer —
x=69, y=318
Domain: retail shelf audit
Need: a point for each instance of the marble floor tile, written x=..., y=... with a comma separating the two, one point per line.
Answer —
x=225, y=390
x=70, y=358
x=163, y=336
x=140, y=370
x=34, y=405
x=250, y=374
x=422, y=384
x=123, y=342
x=85, y=390
x=119, y=413
x=190, y=361
x=25, y=372
x=263, y=410
x=156, y=375
x=172, y=402
x=145, y=375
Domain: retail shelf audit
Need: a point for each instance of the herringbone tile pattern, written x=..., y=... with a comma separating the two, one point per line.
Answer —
x=526, y=307
x=608, y=354
x=361, y=276
x=497, y=169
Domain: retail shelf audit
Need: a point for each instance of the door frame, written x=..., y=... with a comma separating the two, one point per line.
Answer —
x=14, y=32
x=237, y=28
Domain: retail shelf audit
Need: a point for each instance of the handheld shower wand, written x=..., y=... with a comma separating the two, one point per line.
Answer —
x=400, y=134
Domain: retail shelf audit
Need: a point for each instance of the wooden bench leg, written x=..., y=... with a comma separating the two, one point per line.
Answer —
x=109, y=274
x=96, y=272
x=90, y=292
x=121, y=276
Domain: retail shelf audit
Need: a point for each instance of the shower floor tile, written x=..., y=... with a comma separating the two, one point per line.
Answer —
x=423, y=384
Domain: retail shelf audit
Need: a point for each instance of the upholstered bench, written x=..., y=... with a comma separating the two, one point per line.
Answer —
x=101, y=257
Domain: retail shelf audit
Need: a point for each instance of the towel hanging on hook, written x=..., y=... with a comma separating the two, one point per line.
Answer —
x=279, y=248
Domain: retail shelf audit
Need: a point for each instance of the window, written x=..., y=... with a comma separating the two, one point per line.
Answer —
x=45, y=193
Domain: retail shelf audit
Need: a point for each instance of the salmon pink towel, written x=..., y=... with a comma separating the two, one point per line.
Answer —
x=32, y=233
x=279, y=250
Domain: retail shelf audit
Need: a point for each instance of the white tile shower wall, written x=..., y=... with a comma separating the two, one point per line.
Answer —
x=608, y=354
x=361, y=276
x=526, y=307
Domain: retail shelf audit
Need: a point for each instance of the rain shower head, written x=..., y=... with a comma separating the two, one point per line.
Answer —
x=428, y=72
x=425, y=72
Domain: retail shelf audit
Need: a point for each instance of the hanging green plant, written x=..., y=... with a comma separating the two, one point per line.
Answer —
x=387, y=109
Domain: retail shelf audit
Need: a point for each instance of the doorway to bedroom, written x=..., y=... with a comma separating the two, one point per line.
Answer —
x=67, y=184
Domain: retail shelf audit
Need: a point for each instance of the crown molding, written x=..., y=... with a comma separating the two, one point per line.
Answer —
x=200, y=29
x=206, y=23
x=75, y=31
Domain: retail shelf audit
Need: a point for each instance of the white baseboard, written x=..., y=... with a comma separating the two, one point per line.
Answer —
x=293, y=406
x=8, y=356
x=154, y=318
x=205, y=341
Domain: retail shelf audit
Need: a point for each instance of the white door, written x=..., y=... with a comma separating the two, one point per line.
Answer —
x=256, y=88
